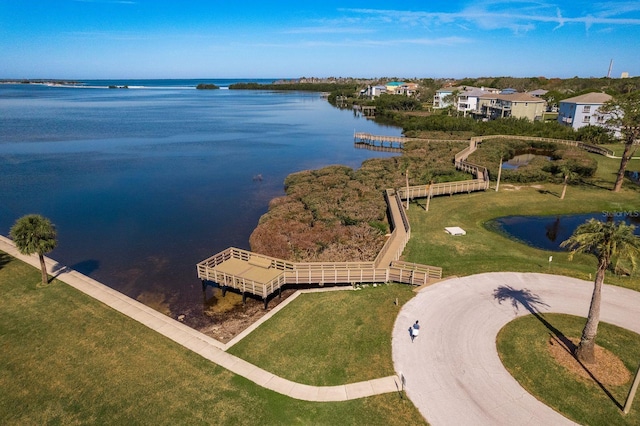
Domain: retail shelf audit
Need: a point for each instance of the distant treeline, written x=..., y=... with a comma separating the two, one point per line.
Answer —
x=306, y=87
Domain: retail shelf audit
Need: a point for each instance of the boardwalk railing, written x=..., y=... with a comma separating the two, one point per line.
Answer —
x=384, y=268
x=208, y=272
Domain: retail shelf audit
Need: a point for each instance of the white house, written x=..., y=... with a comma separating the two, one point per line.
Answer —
x=582, y=110
x=467, y=101
x=466, y=95
x=373, y=91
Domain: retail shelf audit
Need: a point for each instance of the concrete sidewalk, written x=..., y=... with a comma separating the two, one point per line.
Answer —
x=202, y=344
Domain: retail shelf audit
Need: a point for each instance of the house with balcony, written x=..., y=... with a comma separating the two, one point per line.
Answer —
x=443, y=99
x=517, y=105
x=582, y=110
x=467, y=100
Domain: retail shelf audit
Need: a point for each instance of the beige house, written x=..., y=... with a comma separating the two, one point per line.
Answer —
x=517, y=105
x=401, y=88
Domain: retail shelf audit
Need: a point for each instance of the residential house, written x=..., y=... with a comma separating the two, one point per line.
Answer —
x=582, y=110
x=538, y=93
x=394, y=87
x=467, y=101
x=517, y=105
x=466, y=96
x=373, y=91
x=408, y=89
x=442, y=98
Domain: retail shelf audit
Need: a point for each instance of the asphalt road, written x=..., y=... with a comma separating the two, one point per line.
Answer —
x=452, y=371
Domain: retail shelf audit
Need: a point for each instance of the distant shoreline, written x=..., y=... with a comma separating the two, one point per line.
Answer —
x=44, y=82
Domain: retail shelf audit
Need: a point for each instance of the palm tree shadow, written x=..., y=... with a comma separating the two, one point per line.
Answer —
x=4, y=259
x=532, y=302
x=85, y=267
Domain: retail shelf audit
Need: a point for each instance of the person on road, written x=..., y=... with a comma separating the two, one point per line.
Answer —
x=415, y=330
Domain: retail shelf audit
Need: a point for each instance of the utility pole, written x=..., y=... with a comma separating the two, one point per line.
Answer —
x=407, y=178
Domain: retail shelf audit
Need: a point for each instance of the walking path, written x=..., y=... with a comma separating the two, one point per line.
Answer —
x=452, y=371
x=202, y=344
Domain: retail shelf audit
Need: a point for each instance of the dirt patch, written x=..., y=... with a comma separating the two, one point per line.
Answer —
x=226, y=324
x=608, y=369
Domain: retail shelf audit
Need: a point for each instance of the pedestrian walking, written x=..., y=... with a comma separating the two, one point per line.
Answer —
x=415, y=330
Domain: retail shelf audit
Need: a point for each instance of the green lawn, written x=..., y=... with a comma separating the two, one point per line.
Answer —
x=68, y=359
x=484, y=250
x=523, y=347
x=327, y=339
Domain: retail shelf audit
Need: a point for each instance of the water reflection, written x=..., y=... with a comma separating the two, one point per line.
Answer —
x=522, y=160
x=547, y=232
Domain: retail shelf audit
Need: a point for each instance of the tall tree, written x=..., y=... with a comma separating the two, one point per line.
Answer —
x=609, y=242
x=34, y=234
x=568, y=175
x=622, y=114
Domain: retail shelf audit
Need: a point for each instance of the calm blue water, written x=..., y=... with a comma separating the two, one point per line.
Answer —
x=547, y=232
x=144, y=183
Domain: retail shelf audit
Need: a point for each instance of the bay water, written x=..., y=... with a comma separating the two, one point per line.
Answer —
x=143, y=183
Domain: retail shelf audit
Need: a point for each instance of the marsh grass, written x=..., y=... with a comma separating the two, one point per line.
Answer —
x=331, y=338
x=68, y=359
x=523, y=348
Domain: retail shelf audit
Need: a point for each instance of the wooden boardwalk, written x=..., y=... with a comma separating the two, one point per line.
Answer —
x=262, y=276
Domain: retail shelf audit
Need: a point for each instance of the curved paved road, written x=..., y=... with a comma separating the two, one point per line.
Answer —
x=452, y=370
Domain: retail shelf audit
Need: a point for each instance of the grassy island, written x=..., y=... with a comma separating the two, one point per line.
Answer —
x=207, y=86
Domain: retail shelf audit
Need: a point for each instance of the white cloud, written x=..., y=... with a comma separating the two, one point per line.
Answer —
x=517, y=16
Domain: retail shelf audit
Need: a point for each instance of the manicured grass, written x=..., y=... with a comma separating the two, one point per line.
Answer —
x=68, y=359
x=483, y=250
x=329, y=338
x=523, y=348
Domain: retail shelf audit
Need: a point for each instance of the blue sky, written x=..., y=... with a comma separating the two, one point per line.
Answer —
x=83, y=39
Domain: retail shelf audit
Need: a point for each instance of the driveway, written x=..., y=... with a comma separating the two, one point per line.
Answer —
x=452, y=371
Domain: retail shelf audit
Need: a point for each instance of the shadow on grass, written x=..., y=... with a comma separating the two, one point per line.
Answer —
x=532, y=303
x=4, y=259
x=547, y=192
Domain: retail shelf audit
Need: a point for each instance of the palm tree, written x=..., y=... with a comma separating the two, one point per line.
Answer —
x=568, y=176
x=622, y=114
x=609, y=242
x=34, y=234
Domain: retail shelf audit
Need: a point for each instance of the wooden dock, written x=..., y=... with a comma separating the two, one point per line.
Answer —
x=263, y=276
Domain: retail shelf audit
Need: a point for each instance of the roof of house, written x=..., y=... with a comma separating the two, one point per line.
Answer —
x=451, y=89
x=589, y=98
x=512, y=97
x=520, y=97
x=475, y=92
x=538, y=92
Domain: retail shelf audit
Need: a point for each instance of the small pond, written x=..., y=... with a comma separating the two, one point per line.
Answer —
x=547, y=232
x=522, y=158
